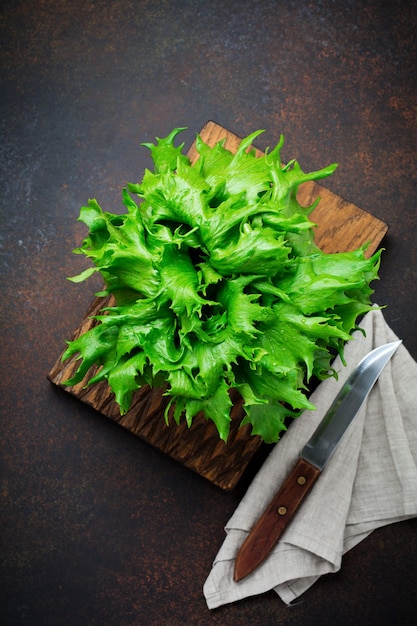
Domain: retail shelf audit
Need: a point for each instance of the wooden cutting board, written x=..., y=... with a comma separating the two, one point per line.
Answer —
x=341, y=226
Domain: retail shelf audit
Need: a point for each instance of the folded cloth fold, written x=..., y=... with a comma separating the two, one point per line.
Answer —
x=369, y=482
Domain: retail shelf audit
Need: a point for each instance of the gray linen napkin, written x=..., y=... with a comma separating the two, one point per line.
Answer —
x=370, y=481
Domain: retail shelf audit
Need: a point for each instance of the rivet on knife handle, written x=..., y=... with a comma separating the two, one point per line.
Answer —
x=275, y=519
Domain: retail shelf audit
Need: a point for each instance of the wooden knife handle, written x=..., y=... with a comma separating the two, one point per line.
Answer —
x=271, y=525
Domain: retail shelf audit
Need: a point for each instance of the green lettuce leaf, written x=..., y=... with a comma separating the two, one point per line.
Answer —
x=219, y=286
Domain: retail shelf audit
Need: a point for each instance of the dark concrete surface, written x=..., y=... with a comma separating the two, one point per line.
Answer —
x=97, y=528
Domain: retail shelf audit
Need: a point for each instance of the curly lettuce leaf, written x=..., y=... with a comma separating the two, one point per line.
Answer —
x=219, y=286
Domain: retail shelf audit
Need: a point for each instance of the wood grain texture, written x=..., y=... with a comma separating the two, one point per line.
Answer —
x=341, y=226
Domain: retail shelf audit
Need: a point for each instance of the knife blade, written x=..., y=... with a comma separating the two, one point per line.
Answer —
x=313, y=458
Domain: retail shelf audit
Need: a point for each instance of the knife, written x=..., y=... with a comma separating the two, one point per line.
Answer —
x=314, y=456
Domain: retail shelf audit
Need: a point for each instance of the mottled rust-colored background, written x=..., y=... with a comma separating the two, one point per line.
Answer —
x=97, y=528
